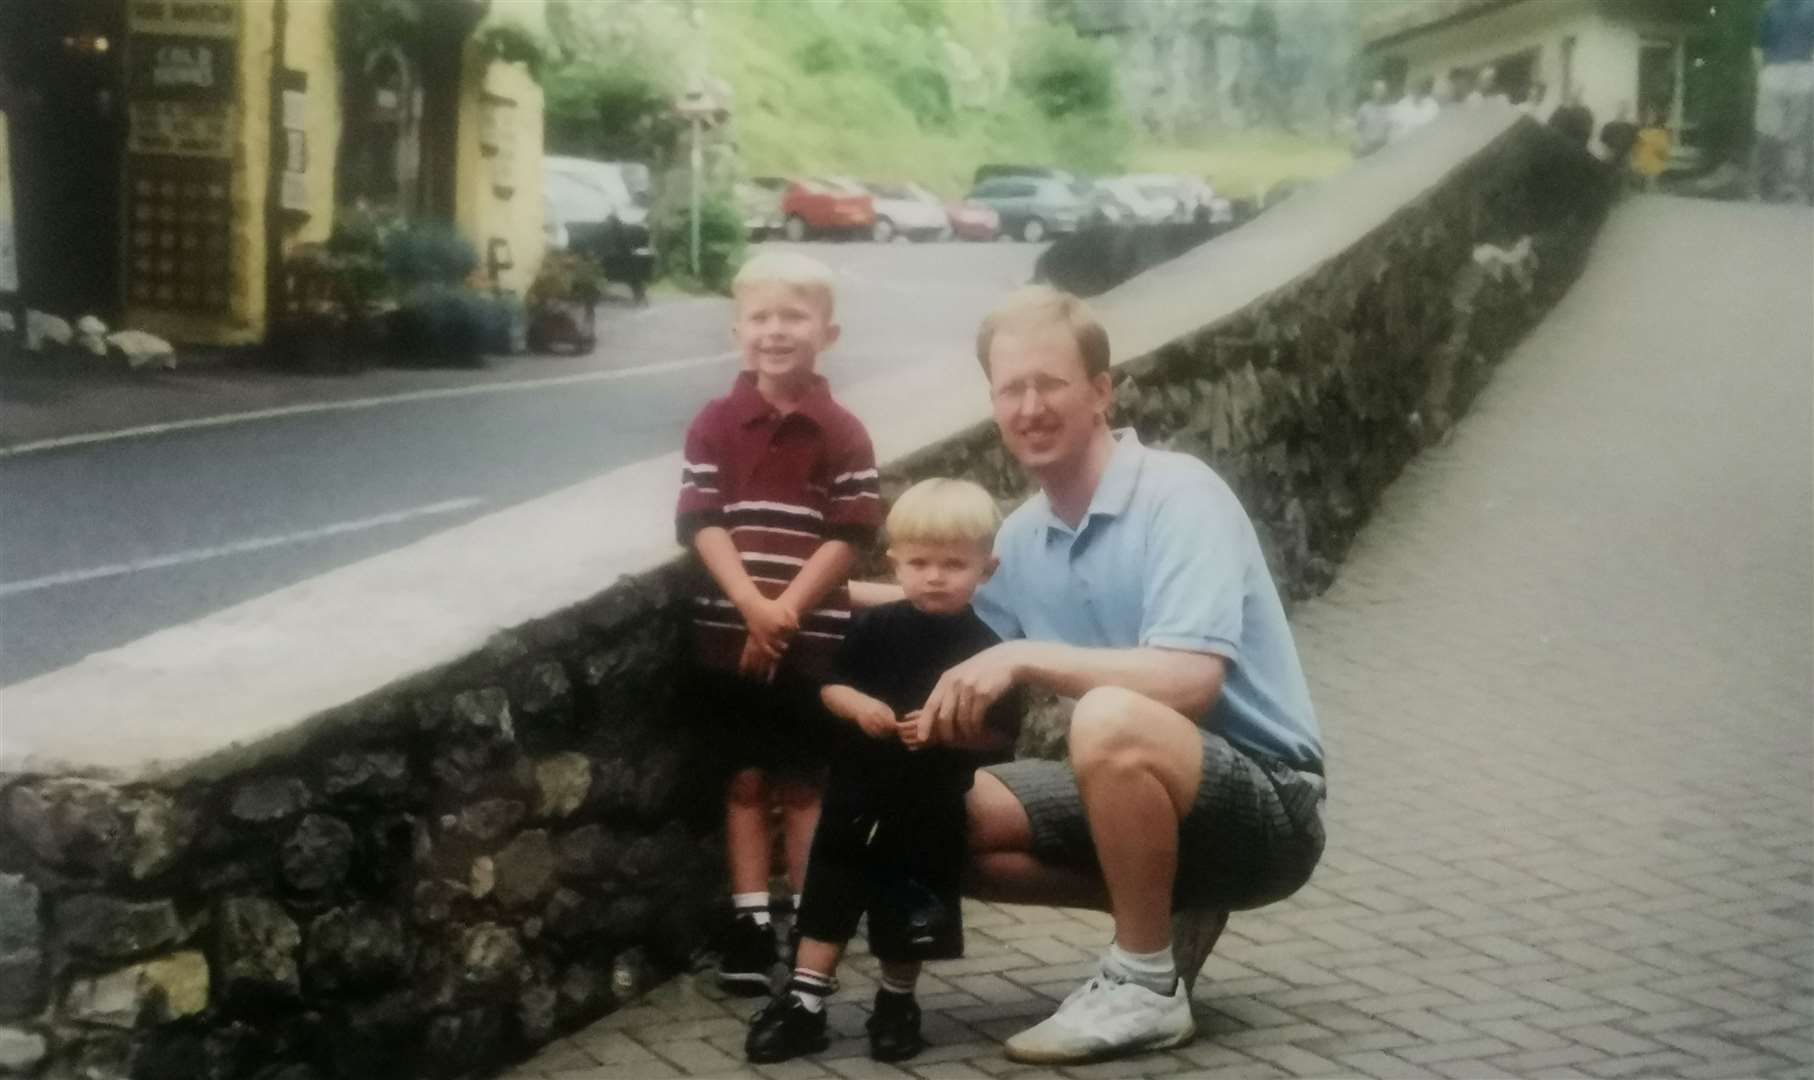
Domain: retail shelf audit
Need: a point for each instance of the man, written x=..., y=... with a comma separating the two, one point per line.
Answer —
x=1414, y=110
x=1783, y=162
x=1575, y=121
x=1373, y=120
x=1133, y=582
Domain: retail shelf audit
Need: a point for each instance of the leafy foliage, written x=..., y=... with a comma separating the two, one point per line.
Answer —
x=721, y=242
x=612, y=111
x=1064, y=74
x=510, y=43
x=429, y=253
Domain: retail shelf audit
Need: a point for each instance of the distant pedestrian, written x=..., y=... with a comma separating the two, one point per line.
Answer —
x=1415, y=110
x=1486, y=89
x=1783, y=153
x=1373, y=120
x=1617, y=138
x=1573, y=120
x=1650, y=154
x=1536, y=104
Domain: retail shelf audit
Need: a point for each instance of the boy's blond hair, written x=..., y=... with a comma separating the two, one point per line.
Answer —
x=790, y=269
x=1034, y=307
x=944, y=511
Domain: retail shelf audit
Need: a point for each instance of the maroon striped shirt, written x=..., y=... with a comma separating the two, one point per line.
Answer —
x=782, y=485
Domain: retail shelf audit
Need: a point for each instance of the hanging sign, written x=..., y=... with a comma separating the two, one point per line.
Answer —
x=183, y=113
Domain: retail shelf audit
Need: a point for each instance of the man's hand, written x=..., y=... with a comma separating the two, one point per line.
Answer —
x=963, y=695
x=916, y=730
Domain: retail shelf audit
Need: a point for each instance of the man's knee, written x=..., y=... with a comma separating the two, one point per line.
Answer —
x=1106, y=733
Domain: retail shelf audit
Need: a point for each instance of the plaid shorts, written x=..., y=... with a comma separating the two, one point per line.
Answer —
x=1251, y=838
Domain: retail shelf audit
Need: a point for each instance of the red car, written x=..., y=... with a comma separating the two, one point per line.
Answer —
x=818, y=207
x=973, y=220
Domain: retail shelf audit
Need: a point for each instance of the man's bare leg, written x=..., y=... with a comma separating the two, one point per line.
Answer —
x=1138, y=766
x=1138, y=763
x=1002, y=867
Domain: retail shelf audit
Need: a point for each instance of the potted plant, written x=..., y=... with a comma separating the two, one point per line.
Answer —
x=561, y=303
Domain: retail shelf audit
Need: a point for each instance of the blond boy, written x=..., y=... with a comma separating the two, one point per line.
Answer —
x=778, y=492
x=891, y=840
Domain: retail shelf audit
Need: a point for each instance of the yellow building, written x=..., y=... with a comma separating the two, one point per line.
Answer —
x=166, y=154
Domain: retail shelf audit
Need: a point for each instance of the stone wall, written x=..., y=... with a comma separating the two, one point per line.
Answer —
x=436, y=886
x=478, y=856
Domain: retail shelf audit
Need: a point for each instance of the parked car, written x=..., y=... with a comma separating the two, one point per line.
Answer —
x=998, y=171
x=1190, y=198
x=759, y=200
x=1121, y=201
x=906, y=210
x=818, y=207
x=971, y=220
x=1033, y=208
x=598, y=211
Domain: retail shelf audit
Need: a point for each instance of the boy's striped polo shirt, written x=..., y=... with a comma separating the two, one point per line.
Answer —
x=782, y=485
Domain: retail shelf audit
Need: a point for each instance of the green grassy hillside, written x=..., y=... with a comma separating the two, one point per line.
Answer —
x=870, y=89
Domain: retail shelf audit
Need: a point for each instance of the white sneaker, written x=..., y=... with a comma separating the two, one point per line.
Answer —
x=1105, y=1018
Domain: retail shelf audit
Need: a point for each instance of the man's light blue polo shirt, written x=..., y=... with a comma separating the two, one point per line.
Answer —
x=1165, y=557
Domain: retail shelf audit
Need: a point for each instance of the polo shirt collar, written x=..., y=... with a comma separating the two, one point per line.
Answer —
x=1116, y=488
x=748, y=405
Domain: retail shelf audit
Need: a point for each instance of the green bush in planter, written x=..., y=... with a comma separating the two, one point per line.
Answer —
x=429, y=253
x=721, y=242
x=448, y=324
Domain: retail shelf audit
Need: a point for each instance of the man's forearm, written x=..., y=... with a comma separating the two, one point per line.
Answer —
x=868, y=594
x=1186, y=681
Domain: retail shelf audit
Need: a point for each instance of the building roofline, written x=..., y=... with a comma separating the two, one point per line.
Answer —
x=1454, y=18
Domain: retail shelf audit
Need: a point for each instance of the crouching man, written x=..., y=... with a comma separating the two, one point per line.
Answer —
x=1133, y=582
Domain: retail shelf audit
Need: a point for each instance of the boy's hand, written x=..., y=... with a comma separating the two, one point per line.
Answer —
x=772, y=625
x=756, y=663
x=876, y=720
x=916, y=730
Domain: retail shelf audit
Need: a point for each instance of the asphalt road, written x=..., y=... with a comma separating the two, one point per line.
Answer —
x=105, y=542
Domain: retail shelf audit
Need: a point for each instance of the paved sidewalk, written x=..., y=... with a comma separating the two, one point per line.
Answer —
x=1566, y=682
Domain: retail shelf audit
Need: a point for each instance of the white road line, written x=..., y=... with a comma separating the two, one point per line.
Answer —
x=362, y=403
x=238, y=547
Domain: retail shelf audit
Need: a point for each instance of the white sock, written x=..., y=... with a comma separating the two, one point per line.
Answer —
x=1156, y=971
x=897, y=986
x=753, y=904
x=811, y=987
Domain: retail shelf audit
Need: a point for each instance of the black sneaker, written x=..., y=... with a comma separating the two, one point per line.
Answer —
x=748, y=956
x=894, y=1028
x=783, y=1030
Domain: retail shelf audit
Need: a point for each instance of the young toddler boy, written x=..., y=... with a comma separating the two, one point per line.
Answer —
x=891, y=839
x=778, y=492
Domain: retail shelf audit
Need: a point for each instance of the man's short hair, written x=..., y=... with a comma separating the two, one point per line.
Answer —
x=1034, y=307
x=791, y=269
x=944, y=511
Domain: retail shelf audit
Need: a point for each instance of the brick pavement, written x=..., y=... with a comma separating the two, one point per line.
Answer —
x=1566, y=681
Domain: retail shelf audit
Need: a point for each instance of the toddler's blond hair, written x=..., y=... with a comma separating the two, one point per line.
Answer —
x=943, y=510
x=790, y=269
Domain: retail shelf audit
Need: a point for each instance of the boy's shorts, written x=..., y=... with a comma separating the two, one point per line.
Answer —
x=1252, y=837
x=910, y=886
x=781, y=727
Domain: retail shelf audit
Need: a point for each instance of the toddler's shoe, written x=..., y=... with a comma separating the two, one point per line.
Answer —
x=894, y=1028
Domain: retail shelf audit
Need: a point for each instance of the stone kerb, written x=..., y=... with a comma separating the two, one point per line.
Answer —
x=417, y=815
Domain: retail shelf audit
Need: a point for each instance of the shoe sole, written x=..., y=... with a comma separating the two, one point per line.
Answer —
x=744, y=985
x=1171, y=1042
x=818, y=1045
x=892, y=1058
